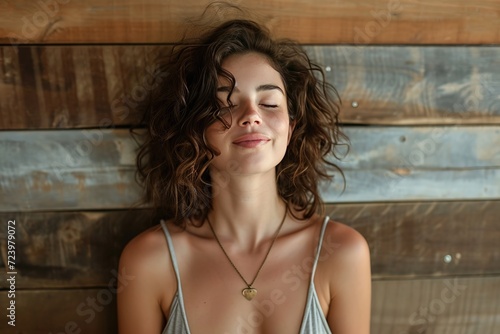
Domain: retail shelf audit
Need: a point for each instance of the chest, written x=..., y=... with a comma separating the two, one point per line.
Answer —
x=212, y=288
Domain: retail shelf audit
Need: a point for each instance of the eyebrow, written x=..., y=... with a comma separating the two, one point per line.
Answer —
x=259, y=88
x=269, y=87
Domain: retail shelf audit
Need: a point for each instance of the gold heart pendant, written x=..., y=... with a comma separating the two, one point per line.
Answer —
x=249, y=293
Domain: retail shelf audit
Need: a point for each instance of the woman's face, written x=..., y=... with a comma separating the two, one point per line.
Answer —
x=260, y=128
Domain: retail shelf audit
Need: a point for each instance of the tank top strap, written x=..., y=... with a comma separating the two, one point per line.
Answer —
x=177, y=322
x=320, y=244
x=172, y=254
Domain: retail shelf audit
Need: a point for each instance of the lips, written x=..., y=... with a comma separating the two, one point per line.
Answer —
x=251, y=140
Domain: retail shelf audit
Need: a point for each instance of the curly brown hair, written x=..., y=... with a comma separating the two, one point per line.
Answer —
x=173, y=160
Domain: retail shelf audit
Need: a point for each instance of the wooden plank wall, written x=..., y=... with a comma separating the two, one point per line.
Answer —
x=420, y=85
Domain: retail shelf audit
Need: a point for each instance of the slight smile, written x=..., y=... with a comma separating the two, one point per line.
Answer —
x=251, y=140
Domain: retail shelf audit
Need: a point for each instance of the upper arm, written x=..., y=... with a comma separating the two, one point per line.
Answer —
x=138, y=295
x=350, y=283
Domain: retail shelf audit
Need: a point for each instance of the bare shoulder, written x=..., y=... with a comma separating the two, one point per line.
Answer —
x=145, y=253
x=141, y=301
x=345, y=255
x=347, y=241
x=347, y=279
x=144, y=247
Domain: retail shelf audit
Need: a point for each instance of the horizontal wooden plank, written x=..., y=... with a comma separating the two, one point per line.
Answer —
x=421, y=148
x=413, y=239
x=415, y=185
x=81, y=249
x=67, y=169
x=419, y=163
x=451, y=305
x=414, y=85
x=100, y=86
x=79, y=86
x=62, y=311
x=94, y=169
x=458, y=306
x=154, y=21
x=69, y=249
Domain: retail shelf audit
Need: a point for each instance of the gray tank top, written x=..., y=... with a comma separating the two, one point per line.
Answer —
x=313, y=321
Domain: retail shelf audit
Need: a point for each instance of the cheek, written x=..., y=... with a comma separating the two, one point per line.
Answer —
x=281, y=126
x=214, y=134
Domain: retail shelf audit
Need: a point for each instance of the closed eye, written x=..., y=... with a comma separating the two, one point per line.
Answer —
x=270, y=105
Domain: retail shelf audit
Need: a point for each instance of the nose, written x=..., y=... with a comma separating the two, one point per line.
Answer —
x=249, y=114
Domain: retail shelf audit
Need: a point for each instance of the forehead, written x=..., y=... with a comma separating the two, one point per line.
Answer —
x=251, y=68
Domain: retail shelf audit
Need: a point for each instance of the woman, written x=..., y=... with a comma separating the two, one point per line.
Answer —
x=239, y=133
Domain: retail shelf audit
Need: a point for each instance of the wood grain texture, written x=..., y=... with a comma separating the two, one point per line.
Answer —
x=154, y=21
x=94, y=169
x=79, y=86
x=67, y=169
x=438, y=306
x=101, y=86
x=407, y=240
x=426, y=238
x=63, y=311
x=414, y=85
x=70, y=249
x=418, y=163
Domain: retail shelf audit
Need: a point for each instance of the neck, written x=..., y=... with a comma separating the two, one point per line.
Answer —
x=247, y=210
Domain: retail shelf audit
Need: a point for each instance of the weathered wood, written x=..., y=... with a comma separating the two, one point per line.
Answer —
x=67, y=169
x=79, y=86
x=63, y=311
x=70, y=249
x=94, y=169
x=414, y=85
x=419, y=163
x=440, y=306
x=413, y=239
x=100, y=86
x=154, y=21
x=432, y=147
x=81, y=249
x=414, y=185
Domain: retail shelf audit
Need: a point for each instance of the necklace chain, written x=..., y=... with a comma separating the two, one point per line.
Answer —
x=249, y=285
